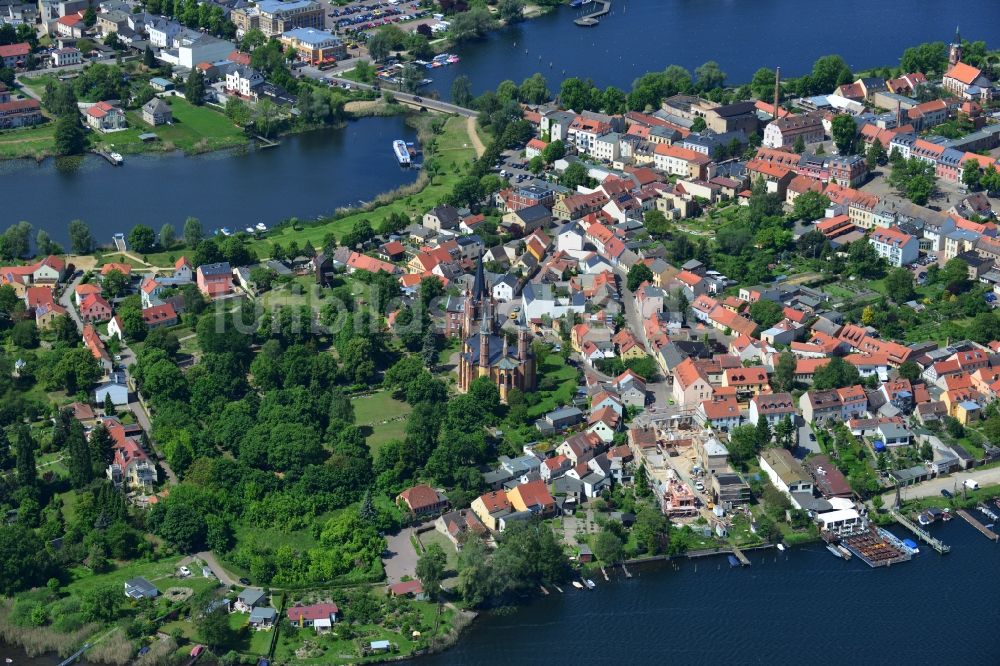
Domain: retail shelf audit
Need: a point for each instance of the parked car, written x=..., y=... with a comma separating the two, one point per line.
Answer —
x=946, y=493
x=699, y=486
x=244, y=581
x=184, y=572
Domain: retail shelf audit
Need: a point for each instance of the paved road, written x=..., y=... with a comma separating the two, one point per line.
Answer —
x=952, y=483
x=66, y=300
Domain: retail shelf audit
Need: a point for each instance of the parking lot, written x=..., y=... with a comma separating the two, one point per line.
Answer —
x=362, y=16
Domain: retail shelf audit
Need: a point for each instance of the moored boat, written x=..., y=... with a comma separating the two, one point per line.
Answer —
x=834, y=551
x=402, y=152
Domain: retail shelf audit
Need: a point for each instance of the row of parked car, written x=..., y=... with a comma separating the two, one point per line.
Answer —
x=374, y=16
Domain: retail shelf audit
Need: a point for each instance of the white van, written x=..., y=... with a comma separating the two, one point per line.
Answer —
x=972, y=484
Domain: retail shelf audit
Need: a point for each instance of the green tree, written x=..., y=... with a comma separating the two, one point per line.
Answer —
x=142, y=239
x=844, y=131
x=837, y=373
x=709, y=76
x=575, y=175
x=799, y=146
x=899, y=285
x=876, y=155
x=554, y=151
x=25, y=334
x=80, y=239
x=766, y=313
x=638, y=274
x=461, y=91
x=148, y=59
x=81, y=468
x=167, y=236
x=194, y=89
x=763, y=433
x=213, y=625
x=828, y=72
x=810, y=206
x=24, y=448
x=193, y=232
x=784, y=372
x=24, y=561
x=431, y=567
x=698, y=124
x=608, y=547
x=115, y=283
x=68, y=137
x=511, y=11
x=971, y=176
x=656, y=223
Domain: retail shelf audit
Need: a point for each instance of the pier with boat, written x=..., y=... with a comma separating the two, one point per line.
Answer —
x=405, y=153
x=877, y=547
x=590, y=20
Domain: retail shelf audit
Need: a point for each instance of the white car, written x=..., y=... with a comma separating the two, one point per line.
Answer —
x=699, y=486
x=184, y=572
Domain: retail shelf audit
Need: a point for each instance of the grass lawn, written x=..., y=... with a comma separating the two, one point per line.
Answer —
x=302, y=290
x=329, y=649
x=195, y=129
x=452, y=152
x=160, y=572
x=556, y=385
x=433, y=536
x=382, y=417
x=33, y=142
x=119, y=258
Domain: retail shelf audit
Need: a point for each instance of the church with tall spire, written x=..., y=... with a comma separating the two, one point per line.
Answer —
x=487, y=352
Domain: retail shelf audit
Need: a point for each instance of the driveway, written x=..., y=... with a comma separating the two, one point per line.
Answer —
x=66, y=300
x=804, y=442
x=952, y=483
x=400, y=558
x=212, y=563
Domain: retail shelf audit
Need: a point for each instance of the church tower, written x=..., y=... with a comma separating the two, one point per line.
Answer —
x=955, y=51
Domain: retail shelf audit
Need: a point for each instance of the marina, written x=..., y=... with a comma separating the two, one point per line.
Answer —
x=985, y=531
x=591, y=20
x=921, y=533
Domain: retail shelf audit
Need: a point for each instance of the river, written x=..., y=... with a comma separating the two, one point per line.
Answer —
x=801, y=606
x=309, y=174
x=645, y=35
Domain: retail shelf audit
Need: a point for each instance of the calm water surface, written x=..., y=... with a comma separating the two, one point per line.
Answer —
x=801, y=606
x=741, y=35
x=307, y=175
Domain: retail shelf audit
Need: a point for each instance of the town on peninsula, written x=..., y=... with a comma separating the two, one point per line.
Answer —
x=533, y=340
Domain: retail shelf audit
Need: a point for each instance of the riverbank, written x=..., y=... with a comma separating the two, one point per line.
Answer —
x=448, y=154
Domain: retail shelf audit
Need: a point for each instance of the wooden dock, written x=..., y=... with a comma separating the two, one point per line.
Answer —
x=76, y=655
x=987, y=532
x=590, y=20
x=921, y=533
x=744, y=560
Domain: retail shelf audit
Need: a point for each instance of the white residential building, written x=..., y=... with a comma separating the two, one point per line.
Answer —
x=895, y=246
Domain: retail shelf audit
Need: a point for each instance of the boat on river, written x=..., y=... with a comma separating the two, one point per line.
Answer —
x=402, y=152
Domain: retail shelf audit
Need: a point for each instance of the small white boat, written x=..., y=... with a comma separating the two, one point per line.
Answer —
x=261, y=226
x=589, y=583
x=117, y=158
x=835, y=551
x=225, y=231
x=249, y=230
x=781, y=547
x=577, y=585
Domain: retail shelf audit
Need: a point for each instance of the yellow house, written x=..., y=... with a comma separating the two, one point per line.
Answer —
x=632, y=349
x=489, y=507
